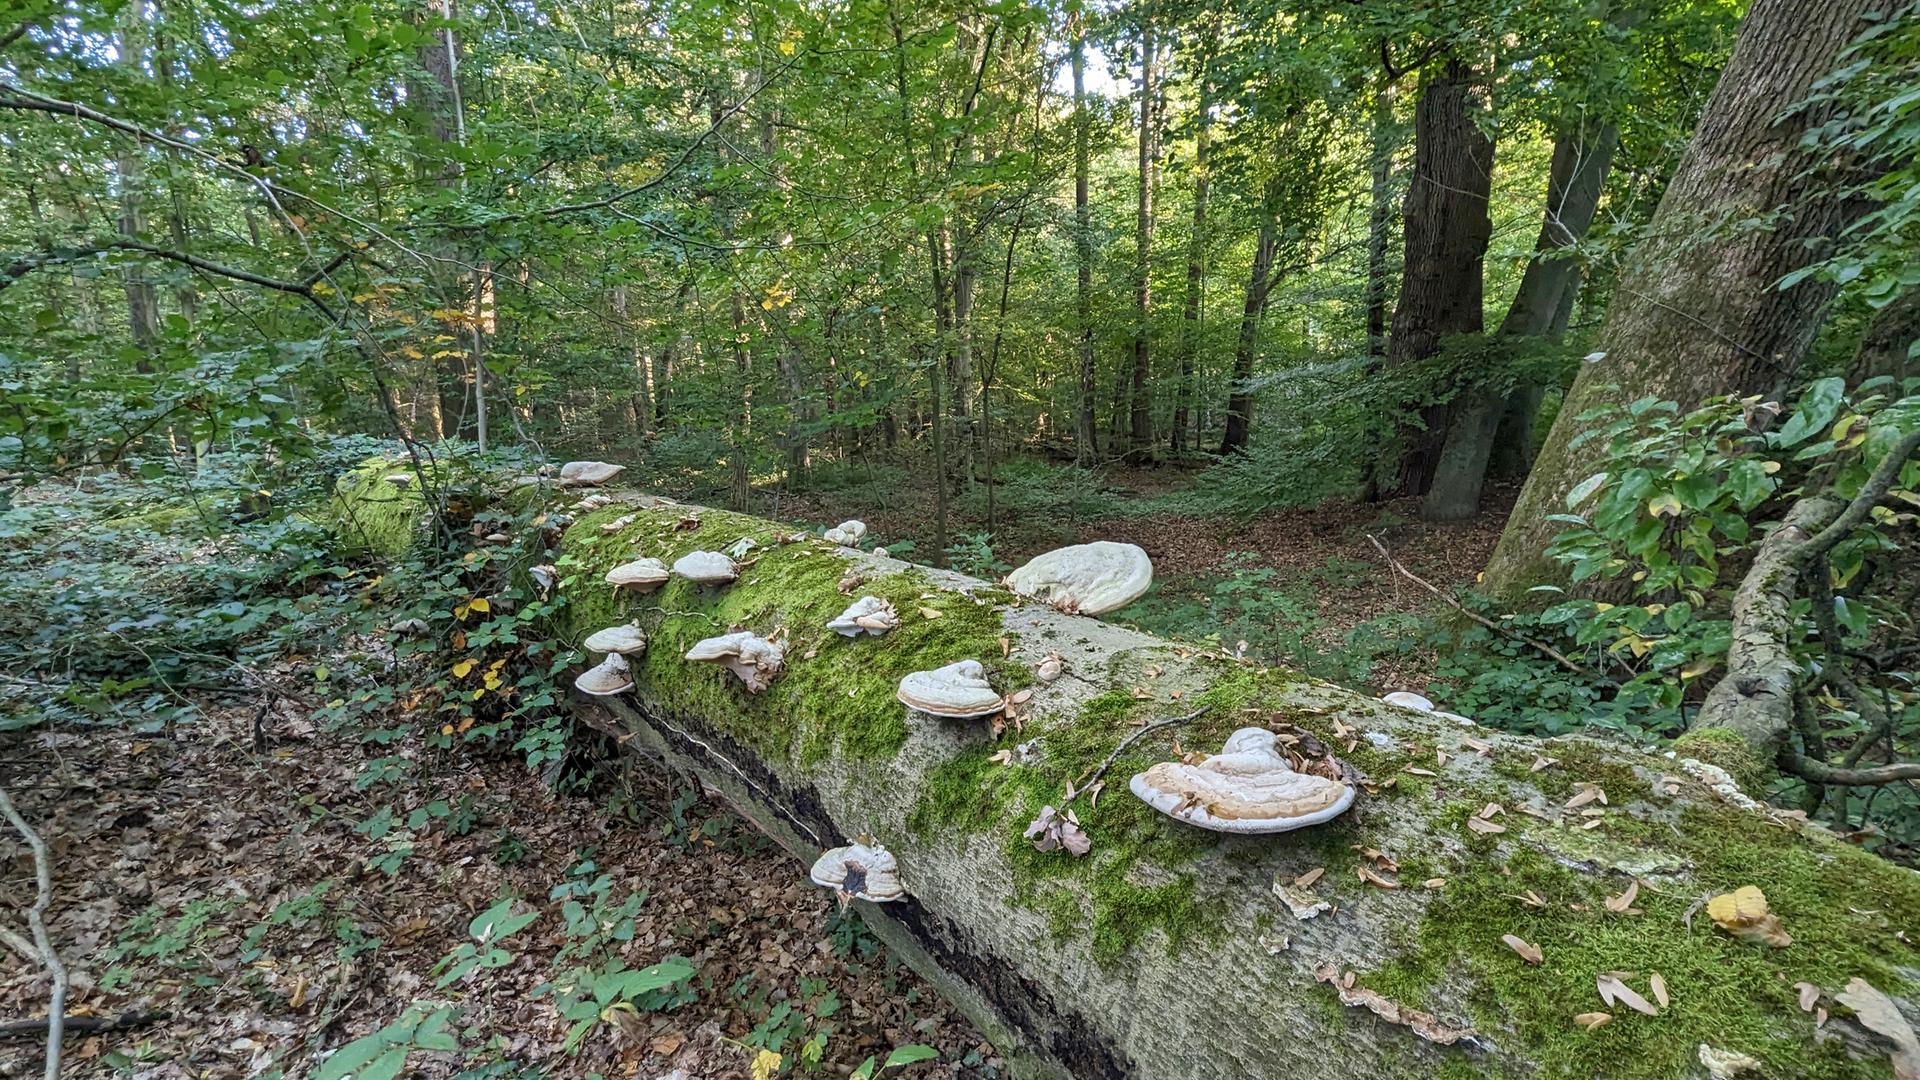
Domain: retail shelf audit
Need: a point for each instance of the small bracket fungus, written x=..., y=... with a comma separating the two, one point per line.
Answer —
x=706, y=568
x=410, y=628
x=859, y=871
x=1086, y=579
x=626, y=639
x=1249, y=787
x=867, y=615
x=545, y=575
x=593, y=502
x=640, y=575
x=1406, y=699
x=959, y=691
x=588, y=473
x=611, y=676
x=750, y=656
x=399, y=479
x=847, y=533
x=621, y=522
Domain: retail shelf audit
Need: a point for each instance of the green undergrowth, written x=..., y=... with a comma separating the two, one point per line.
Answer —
x=1842, y=906
x=836, y=695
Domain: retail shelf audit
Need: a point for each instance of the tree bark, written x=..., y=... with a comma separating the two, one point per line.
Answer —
x=143, y=303
x=1447, y=228
x=1086, y=444
x=1697, y=310
x=1140, y=397
x=1386, y=139
x=1886, y=347
x=1246, y=346
x=1575, y=180
x=1196, y=255
x=1164, y=952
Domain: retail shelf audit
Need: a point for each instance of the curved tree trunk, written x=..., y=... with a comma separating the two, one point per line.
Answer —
x=1697, y=311
x=1166, y=952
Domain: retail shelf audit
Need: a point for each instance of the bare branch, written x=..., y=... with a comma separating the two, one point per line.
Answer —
x=303, y=288
x=37, y=922
x=1820, y=772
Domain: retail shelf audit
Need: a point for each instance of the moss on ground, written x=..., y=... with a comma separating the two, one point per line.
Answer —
x=373, y=517
x=1729, y=750
x=837, y=693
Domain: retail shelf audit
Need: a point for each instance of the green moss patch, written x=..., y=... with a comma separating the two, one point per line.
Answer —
x=1842, y=906
x=371, y=516
x=836, y=694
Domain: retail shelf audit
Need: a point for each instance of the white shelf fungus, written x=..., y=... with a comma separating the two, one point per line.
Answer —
x=626, y=639
x=847, y=533
x=750, y=656
x=1087, y=579
x=640, y=575
x=610, y=676
x=706, y=568
x=1249, y=787
x=588, y=473
x=867, y=615
x=860, y=872
x=959, y=691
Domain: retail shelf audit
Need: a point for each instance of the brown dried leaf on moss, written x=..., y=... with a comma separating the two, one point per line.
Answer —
x=1527, y=950
x=1878, y=1014
x=1623, y=904
x=1615, y=992
x=1744, y=914
x=1591, y=1020
x=1425, y=1025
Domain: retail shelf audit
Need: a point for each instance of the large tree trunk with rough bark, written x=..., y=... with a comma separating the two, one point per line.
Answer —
x=1447, y=229
x=1698, y=311
x=1480, y=416
x=1140, y=389
x=1086, y=448
x=1166, y=952
x=1259, y=287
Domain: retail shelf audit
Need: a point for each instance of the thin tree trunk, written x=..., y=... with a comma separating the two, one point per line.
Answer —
x=143, y=305
x=1698, y=310
x=1386, y=139
x=1190, y=328
x=1086, y=445
x=1140, y=418
x=1240, y=396
x=1887, y=347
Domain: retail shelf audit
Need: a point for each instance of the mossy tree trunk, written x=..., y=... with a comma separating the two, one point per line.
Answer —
x=1697, y=311
x=1164, y=952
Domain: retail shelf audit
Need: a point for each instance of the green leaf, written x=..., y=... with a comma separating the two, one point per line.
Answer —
x=907, y=1055
x=1585, y=489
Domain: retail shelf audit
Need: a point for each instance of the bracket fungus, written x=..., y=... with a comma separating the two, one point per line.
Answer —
x=706, y=568
x=626, y=639
x=748, y=655
x=859, y=871
x=847, y=533
x=867, y=615
x=959, y=691
x=1086, y=579
x=608, y=677
x=1249, y=787
x=588, y=473
x=1407, y=699
x=640, y=575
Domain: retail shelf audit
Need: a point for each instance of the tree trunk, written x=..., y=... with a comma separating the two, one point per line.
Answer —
x=1140, y=413
x=1888, y=345
x=1240, y=396
x=1574, y=182
x=1386, y=139
x=1164, y=952
x=1447, y=229
x=1196, y=258
x=1698, y=310
x=1086, y=445
x=143, y=304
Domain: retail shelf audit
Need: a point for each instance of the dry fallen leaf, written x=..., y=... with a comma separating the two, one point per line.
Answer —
x=669, y=1044
x=1592, y=1020
x=1492, y=809
x=1744, y=914
x=1615, y=992
x=1587, y=793
x=1434, y=882
x=1421, y=772
x=1622, y=904
x=1528, y=952
x=1878, y=1014
x=1543, y=762
x=1809, y=994
x=1658, y=984
x=1485, y=827
x=929, y=613
x=1425, y=1025
x=1307, y=879
x=1367, y=875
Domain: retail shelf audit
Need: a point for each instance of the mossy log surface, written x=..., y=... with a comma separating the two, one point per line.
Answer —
x=1165, y=952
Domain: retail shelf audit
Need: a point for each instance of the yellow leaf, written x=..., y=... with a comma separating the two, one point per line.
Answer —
x=461, y=669
x=492, y=681
x=1664, y=505
x=786, y=48
x=765, y=1064
x=479, y=603
x=1743, y=913
x=446, y=729
x=1769, y=467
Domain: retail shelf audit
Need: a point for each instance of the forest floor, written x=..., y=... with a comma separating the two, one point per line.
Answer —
x=220, y=883
x=219, y=875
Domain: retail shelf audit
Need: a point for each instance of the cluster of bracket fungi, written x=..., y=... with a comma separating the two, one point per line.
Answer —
x=1255, y=784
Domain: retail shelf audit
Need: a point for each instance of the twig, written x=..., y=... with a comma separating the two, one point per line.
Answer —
x=1542, y=646
x=37, y=922
x=1820, y=772
x=1100, y=770
x=94, y=1025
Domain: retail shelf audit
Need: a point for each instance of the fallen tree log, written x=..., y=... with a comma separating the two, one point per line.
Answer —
x=1168, y=951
